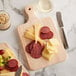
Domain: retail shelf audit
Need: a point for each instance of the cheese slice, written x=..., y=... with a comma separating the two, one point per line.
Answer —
x=7, y=53
x=31, y=29
x=29, y=35
x=54, y=42
x=37, y=31
x=51, y=49
x=47, y=55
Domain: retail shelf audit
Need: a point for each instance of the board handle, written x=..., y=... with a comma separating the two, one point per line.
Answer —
x=29, y=10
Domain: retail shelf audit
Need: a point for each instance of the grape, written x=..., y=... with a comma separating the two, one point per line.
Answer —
x=0, y=56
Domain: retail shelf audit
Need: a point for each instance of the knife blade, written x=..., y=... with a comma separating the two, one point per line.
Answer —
x=61, y=29
x=18, y=72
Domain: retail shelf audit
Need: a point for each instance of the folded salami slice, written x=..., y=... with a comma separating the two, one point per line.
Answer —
x=48, y=35
x=13, y=69
x=29, y=47
x=12, y=63
x=25, y=74
x=35, y=49
x=45, y=29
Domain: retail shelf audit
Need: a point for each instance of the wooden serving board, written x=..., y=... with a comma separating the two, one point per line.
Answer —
x=35, y=64
x=6, y=72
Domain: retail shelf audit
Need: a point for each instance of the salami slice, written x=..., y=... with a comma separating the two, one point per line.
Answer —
x=35, y=54
x=1, y=68
x=25, y=74
x=45, y=29
x=48, y=35
x=12, y=63
x=35, y=49
x=13, y=69
x=36, y=46
x=29, y=47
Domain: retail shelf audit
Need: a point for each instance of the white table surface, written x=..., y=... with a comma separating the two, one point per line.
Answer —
x=68, y=9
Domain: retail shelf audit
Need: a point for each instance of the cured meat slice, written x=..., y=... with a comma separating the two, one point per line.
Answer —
x=1, y=68
x=37, y=46
x=25, y=74
x=35, y=49
x=12, y=63
x=29, y=47
x=48, y=35
x=12, y=69
x=36, y=54
x=45, y=29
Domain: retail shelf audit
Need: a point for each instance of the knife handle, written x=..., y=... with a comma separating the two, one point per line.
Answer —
x=63, y=37
x=59, y=19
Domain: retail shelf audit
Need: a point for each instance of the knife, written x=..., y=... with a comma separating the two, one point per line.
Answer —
x=61, y=29
x=18, y=72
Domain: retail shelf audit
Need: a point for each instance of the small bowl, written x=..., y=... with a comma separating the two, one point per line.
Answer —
x=44, y=9
x=5, y=25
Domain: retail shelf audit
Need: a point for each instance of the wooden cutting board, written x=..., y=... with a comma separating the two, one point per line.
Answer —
x=35, y=64
x=5, y=72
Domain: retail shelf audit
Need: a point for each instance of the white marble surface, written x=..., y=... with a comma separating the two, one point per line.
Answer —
x=68, y=9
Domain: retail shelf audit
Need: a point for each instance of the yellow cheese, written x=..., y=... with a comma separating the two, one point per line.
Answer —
x=51, y=49
x=37, y=31
x=29, y=35
x=47, y=55
x=54, y=42
x=8, y=53
x=31, y=29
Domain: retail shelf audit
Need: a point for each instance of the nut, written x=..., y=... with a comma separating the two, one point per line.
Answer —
x=3, y=18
